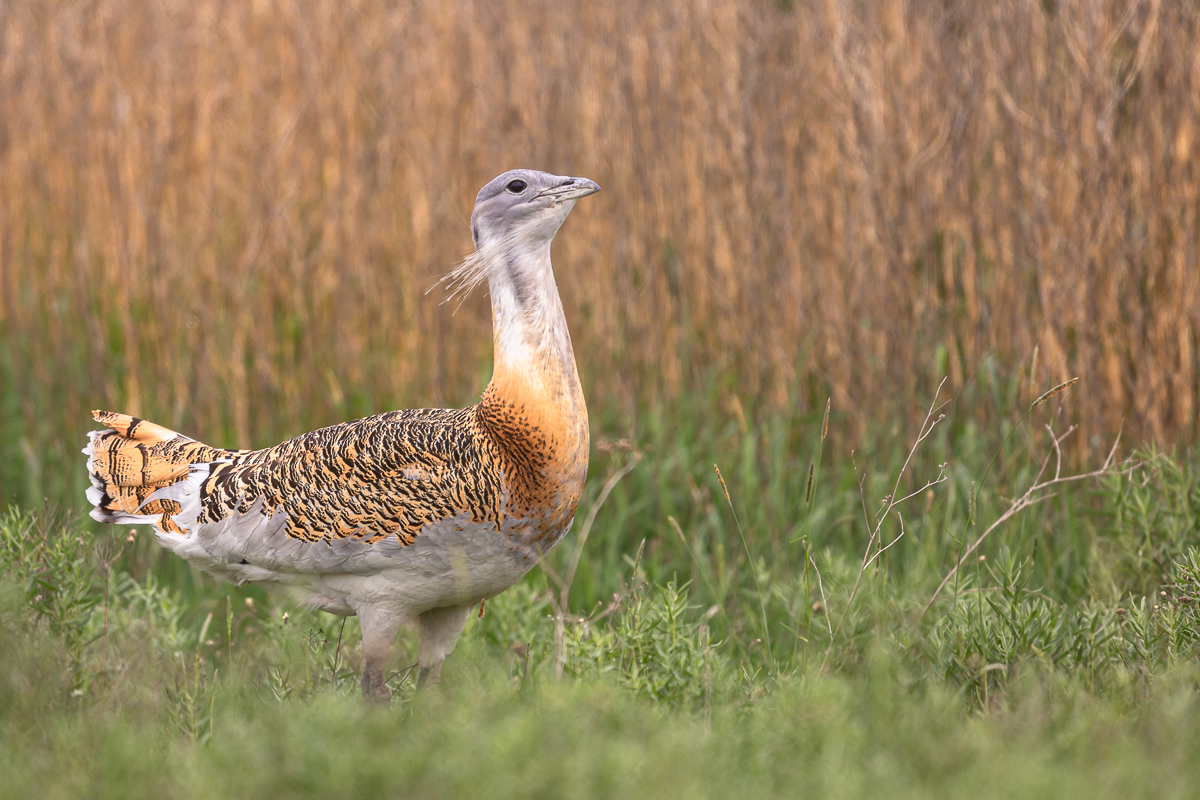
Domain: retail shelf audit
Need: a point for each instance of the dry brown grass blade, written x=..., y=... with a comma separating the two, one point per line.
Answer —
x=241, y=204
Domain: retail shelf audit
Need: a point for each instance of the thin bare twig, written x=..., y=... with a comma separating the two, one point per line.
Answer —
x=884, y=549
x=824, y=602
x=1036, y=493
x=762, y=606
x=695, y=560
x=560, y=603
x=887, y=505
x=609, y=485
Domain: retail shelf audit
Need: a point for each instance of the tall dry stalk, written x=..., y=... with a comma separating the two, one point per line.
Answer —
x=225, y=215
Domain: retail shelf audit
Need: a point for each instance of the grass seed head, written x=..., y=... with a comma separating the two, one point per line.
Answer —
x=724, y=488
x=1060, y=388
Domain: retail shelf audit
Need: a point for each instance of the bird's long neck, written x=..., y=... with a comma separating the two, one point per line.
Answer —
x=529, y=329
x=534, y=406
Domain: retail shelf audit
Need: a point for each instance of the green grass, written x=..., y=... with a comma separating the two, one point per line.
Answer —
x=694, y=656
x=820, y=736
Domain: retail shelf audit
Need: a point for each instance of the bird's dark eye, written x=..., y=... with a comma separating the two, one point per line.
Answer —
x=517, y=186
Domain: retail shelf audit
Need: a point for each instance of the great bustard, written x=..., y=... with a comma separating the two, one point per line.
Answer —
x=409, y=515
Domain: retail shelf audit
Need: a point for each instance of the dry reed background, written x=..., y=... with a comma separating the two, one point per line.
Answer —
x=227, y=214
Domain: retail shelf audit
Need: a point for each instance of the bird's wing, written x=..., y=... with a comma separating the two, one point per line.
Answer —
x=344, y=498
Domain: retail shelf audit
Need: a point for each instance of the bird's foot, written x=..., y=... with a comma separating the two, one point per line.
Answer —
x=375, y=690
x=429, y=676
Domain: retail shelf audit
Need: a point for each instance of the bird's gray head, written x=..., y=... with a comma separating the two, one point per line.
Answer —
x=525, y=205
x=516, y=216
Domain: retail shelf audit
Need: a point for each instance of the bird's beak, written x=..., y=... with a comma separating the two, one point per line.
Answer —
x=570, y=189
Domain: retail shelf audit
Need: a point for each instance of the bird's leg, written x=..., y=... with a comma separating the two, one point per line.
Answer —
x=379, y=628
x=440, y=629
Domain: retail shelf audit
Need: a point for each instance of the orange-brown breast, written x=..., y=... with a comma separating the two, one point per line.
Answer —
x=540, y=429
